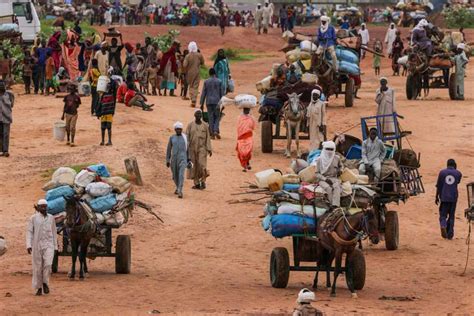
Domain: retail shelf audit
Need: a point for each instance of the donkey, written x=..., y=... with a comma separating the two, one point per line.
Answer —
x=342, y=238
x=293, y=114
x=80, y=230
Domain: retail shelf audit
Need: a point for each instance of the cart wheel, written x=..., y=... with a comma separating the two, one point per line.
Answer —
x=279, y=267
x=356, y=263
x=54, y=266
x=452, y=87
x=349, y=94
x=391, y=230
x=267, y=137
x=123, y=254
x=410, y=88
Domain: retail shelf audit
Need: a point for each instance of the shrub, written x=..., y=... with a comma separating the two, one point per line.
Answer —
x=459, y=17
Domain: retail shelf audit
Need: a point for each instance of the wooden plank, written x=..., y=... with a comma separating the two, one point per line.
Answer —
x=131, y=165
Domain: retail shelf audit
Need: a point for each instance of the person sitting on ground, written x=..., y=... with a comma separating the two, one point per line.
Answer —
x=326, y=40
x=71, y=103
x=329, y=168
x=304, y=307
x=135, y=98
x=121, y=91
x=373, y=154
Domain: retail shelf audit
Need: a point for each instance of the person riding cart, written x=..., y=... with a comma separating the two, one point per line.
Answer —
x=420, y=37
x=326, y=40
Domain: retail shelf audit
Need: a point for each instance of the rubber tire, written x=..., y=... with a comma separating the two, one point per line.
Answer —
x=391, y=230
x=267, y=137
x=349, y=93
x=356, y=262
x=279, y=268
x=409, y=88
x=123, y=254
x=54, y=265
x=452, y=86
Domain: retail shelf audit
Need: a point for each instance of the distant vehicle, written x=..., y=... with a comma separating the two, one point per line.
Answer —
x=25, y=12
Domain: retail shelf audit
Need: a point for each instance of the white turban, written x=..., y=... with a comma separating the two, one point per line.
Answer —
x=198, y=110
x=192, y=47
x=422, y=23
x=42, y=202
x=325, y=18
x=327, y=156
x=363, y=24
x=461, y=46
x=178, y=124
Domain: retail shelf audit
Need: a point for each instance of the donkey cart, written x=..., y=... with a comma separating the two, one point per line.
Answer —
x=101, y=246
x=304, y=250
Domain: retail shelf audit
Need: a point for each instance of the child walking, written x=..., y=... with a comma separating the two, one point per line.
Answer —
x=49, y=73
x=71, y=103
x=105, y=112
x=152, y=72
x=378, y=47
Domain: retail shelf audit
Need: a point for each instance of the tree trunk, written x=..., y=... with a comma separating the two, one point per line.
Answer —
x=133, y=172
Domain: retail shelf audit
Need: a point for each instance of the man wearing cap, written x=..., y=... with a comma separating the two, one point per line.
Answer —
x=304, y=307
x=326, y=40
x=460, y=61
x=447, y=194
x=6, y=104
x=177, y=157
x=385, y=99
x=373, y=154
x=316, y=114
x=199, y=146
x=41, y=242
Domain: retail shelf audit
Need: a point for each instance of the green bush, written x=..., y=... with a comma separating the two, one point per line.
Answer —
x=233, y=54
x=47, y=29
x=164, y=41
x=459, y=17
x=204, y=72
x=15, y=52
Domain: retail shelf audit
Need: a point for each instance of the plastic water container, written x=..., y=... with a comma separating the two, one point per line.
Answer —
x=84, y=88
x=102, y=83
x=262, y=178
x=59, y=130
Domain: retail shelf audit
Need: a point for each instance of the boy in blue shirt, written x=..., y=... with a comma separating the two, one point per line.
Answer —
x=447, y=194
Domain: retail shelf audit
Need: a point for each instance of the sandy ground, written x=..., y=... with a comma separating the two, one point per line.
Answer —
x=213, y=257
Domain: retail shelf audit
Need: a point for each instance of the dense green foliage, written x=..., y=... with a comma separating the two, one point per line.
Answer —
x=459, y=17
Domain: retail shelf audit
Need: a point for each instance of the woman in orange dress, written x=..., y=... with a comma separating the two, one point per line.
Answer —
x=245, y=127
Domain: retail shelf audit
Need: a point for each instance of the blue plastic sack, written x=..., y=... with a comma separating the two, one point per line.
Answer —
x=291, y=187
x=100, y=169
x=103, y=203
x=345, y=66
x=63, y=191
x=286, y=225
x=56, y=206
x=313, y=155
x=355, y=152
x=343, y=54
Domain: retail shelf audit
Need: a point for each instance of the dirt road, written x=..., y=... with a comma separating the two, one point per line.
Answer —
x=213, y=257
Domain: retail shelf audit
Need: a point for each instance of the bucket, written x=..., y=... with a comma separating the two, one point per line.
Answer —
x=262, y=177
x=102, y=83
x=59, y=130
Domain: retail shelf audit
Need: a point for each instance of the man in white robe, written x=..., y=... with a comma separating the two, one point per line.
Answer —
x=385, y=99
x=328, y=169
x=41, y=242
x=390, y=38
x=316, y=114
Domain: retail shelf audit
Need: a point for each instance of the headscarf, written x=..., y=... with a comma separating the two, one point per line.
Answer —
x=324, y=28
x=54, y=40
x=383, y=78
x=315, y=91
x=461, y=46
x=197, y=110
x=218, y=57
x=421, y=24
x=327, y=156
x=178, y=124
x=192, y=47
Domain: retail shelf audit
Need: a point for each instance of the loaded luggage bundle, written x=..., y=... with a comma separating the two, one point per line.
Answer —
x=107, y=199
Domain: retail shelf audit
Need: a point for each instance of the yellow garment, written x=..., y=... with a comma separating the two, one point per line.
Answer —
x=107, y=118
x=94, y=76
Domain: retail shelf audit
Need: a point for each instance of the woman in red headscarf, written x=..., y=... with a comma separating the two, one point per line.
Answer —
x=169, y=69
x=56, y=49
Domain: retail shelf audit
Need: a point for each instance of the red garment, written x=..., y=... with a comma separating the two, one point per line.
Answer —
x=56, y=50
x=129, y=95
x=170, y=55
x=245, y=126
x=121, y=92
